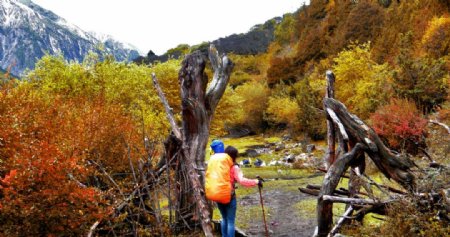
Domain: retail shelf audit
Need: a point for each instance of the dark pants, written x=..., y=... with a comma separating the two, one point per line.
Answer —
x=228, y=212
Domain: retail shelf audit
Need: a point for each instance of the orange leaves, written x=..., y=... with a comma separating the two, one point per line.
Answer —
x=7, y=180
x=44, y=152
x=436, y=40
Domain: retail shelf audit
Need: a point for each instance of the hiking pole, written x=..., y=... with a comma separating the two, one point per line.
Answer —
x=262, y=206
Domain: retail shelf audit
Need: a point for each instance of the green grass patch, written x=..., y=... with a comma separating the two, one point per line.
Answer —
x=245, y=142
x=307, y=208
x=249, y=214
x=244, y=215
x=274, y=172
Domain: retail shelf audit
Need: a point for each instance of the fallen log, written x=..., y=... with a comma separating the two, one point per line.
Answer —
x=312, y=192
x=354, y=201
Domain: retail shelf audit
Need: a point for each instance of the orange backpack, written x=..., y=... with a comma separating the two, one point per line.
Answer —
x=217, y=179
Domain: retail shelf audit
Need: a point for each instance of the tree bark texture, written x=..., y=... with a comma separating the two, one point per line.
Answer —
x=330, y=182
x=331, y=136
x=198, y=105
x=391, y=165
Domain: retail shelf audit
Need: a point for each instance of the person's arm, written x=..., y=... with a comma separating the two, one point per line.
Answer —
x=238, y=176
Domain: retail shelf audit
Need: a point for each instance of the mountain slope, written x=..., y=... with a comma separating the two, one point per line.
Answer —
x=28, y=31
x=255, y=41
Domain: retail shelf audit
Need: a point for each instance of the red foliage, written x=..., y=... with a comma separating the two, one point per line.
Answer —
x=45, y=151
x=401, y=124
x=40, y=199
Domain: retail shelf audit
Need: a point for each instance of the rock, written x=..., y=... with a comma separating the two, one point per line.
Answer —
x=289, y=158
x=310, y=148
x=302, y=156
x=286, y=137
x=251, y=153
x=280, y=146
x=237, y=132
x=264, y=150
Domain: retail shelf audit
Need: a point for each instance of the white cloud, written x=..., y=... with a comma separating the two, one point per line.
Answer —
x=161, y=25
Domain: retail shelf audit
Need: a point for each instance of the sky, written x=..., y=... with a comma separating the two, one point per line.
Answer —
x=164, y=24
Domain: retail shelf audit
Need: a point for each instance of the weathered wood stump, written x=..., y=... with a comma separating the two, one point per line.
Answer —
x=198, y=106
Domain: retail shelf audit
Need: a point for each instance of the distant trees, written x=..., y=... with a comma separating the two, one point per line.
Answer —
x=283, y=109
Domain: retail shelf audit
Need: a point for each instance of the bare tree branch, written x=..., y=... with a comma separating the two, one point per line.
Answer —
x=336, y=120
x=169, y=113
x=222, y=67
x=445, y=126
x=341, y=221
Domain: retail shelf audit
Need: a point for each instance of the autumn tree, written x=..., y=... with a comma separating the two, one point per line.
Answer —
x=71, y=144
x=309, y=117
x=363, y=24
x=363, y=84
x=421, y=79
x=253, y=101
x=44, y=191
x=282, y=108
x=436, y=40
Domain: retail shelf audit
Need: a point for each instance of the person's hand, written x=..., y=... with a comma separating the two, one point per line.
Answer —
x=260, y=181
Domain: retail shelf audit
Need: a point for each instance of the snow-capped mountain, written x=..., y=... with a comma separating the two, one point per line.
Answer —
x=28, y=31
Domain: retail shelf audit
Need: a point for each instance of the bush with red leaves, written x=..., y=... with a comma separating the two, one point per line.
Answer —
x=401, y=124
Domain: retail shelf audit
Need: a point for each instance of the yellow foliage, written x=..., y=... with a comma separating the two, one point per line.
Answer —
x=283, y=110
x=248, y=68
x=317, y=77
x=126, y=84
x=436, y=40
x=254, y=98
x=331, y=5
x=228, y=112
x=167, y=74
x=244, y=105
x=361, y=83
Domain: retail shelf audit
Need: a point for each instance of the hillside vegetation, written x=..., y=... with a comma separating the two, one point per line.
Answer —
x=74, y=136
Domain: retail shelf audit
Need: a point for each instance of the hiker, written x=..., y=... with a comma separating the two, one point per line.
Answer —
x=221, y=175
x=228, y=211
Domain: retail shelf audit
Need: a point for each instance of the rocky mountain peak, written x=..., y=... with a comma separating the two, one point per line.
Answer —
x=28, y=32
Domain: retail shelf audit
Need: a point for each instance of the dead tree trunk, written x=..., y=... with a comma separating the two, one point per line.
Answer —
x=198, y=106
x=350, y=131
x=393, y=166
x=331, y=134
x=330, y=182
x=358, y=133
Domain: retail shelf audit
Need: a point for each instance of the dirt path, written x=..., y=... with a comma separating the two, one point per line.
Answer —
x=282, y=214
